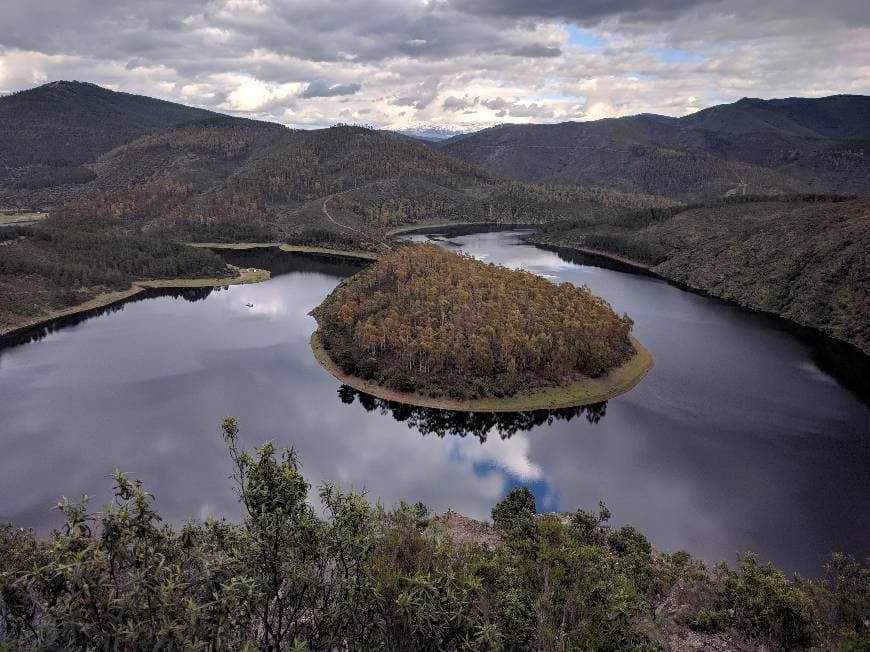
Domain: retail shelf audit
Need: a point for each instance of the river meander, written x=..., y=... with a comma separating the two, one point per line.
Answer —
x=735, y=440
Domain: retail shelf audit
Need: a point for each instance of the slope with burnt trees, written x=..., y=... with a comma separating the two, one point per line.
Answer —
x=162, y=168
x=230, y=180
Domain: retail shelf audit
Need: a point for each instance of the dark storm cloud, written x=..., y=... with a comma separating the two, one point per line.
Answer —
x=584, y=11
x=320, y=88
x=536, y=50
x=84, y=26
x=457, y=103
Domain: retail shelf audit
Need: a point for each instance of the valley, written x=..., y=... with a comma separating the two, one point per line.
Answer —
x=669, y=315
x=742, y=417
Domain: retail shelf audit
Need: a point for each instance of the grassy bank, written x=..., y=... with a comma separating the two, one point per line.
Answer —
x=422, y=227
x=582, y=392
x=245, y=276
x=594, y=253
x=248, y=275
x=235, y=245
x=17, y=218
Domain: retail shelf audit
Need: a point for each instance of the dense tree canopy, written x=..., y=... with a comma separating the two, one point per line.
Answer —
x=427, y=320
x=62, y=263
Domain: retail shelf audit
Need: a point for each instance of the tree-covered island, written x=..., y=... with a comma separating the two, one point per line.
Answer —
x=431, y=327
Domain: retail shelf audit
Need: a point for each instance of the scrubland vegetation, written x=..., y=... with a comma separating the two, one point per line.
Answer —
x=425, y=320
x=358, y=576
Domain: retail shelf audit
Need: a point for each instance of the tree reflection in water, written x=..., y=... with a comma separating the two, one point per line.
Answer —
x=40, y=331
x=479, y=424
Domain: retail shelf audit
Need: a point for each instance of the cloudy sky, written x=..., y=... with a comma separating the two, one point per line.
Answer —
x=460, y=64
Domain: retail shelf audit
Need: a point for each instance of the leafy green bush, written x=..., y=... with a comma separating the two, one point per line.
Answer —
x=358, y=577
x=761, y=601
x=708, y=620
x=516, y=512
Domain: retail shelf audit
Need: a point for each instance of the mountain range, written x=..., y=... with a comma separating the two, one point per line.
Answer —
x=698, y=200
x=751, y=146
x=68, y=147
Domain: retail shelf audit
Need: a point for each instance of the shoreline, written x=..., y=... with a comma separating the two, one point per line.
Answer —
x=22, y=219
x=576, y=394
x=287, y=248
x=806, y=330
x=246, y=276
x=402, y=230
x=474, y=227
x=597, y=253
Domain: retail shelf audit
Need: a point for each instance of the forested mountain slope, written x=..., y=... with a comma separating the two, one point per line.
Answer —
x=807, y=261
x=50, y=134
x=158, y=167
x=751, y=146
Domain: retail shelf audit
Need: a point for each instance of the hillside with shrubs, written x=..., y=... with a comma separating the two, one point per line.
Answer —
x=802, y=257
x=57, y=265
x=354, y=575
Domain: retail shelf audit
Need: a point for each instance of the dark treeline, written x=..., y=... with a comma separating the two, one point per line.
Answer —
x=427, y=320
x=59, y=264
x=360, y=577
x=649, y=253
x=648, y=215
x=278, y=261
x=43, y=176
x=324, y=238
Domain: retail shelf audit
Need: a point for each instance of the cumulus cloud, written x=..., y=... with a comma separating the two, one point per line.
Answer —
x=461, y=64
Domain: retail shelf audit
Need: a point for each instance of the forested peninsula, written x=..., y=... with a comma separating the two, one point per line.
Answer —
x=430, y=327
x=68, y=265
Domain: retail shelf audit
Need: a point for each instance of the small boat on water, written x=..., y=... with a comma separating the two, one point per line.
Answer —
x=250, y=305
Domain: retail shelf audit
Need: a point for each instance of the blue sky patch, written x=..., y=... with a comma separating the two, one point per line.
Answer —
x=577, y=36
x=672, y=55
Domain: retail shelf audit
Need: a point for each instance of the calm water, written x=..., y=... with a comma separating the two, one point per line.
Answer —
x=736, y=439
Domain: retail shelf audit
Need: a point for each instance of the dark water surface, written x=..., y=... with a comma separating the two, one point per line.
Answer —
x=736, y=439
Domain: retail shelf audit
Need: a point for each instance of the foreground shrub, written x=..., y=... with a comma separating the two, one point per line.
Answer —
x=359, y=577
x=761, y=601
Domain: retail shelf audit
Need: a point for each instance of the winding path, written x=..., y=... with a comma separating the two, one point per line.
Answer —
x=346, y=226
